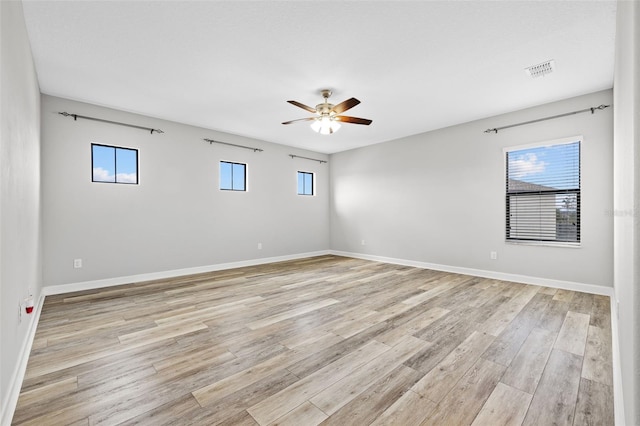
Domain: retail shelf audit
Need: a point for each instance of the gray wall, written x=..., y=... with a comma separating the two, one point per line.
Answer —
x=176, y=217
x=438, y=197
x=626, y=198
x=20, y=265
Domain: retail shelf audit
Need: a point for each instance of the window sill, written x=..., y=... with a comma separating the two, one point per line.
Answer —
x=545, y=244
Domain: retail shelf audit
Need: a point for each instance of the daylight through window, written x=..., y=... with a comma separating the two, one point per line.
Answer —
x=114, y=164
x=305, y=183
x=233, y=176
x=543, y=193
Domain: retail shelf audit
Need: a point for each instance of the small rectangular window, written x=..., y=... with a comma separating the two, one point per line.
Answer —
x=305, y=183
x=114, y=164
x=233, y=176
x=543, y=193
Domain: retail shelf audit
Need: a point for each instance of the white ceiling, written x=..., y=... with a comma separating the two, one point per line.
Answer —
x=232, y=65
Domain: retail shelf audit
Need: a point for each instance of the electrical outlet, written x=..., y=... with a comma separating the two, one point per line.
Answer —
x=362, y=242
x=259, y=246
x=494, y=255
x=77, y=263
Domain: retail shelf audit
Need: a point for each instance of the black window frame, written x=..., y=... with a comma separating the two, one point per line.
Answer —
x=115, y=164
x=313, y=178
x=244, y=171
x=573, y=194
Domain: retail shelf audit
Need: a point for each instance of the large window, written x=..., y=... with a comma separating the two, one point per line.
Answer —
x=543, y=192
x=305, y=183
x=114, y=164
x=233, y=176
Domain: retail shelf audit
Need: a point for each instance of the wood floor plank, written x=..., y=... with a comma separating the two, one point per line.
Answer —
x=292, y=313
x=526, y=369
x=286, y=400
x=350, y=335
x=424, y=320
x=236, y=403
x=167, y=414
x=509, y=342
x=554, y=315
x=601, y=312
x=444, y=334
x=193, y=355
x=598, y=365
x=43, y=365
x=595, y=404
x=555, y=399
x=230, y=384
x=343, y=391
x=240, y=419
x=87, y=330
x=409, y=409
x=376, y=399
x=506, y=406
x=548, y=290
x=305, y=414
x=563, y=295
x=581, y=303
x=429, y=294
x=156, y=334
x=508, y=311
x=393, y=336
x=573, y=333
x=204, y=314
x=444, y=376
x=314, y=336
x=154, y=391
x=52, y=390
x=461, y=405
x=330, y=354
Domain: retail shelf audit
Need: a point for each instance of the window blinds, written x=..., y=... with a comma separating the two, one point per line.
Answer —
x=543, y=193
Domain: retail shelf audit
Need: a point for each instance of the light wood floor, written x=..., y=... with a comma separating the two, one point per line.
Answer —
x=326, y=340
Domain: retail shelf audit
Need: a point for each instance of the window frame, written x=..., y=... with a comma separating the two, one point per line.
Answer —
x=115, y=164
x=313, y=183
x=232, y=163
x=578, y=191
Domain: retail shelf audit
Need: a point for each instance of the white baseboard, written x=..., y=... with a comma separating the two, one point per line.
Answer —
x=110, y=282
x=524, y=279
x=618, y=399
x=11, y=399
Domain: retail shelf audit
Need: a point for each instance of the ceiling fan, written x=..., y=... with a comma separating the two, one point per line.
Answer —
x=328, y=117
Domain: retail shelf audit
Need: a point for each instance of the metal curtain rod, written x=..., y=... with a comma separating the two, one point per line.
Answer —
x=592, y=109
x=76, y=116
x=307, y=158
x=233, y=144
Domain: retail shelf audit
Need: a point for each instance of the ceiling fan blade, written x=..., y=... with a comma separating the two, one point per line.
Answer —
x=343, y=106
x=300, y=119
x=354, y=120
x=303, y=106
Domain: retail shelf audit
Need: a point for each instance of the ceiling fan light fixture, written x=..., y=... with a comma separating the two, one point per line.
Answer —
x=328, y=118
x=325, y=125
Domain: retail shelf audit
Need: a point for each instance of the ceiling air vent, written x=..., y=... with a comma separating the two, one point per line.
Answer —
x=542, y=69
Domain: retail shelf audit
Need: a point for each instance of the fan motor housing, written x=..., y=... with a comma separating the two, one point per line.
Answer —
x=324, y=108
